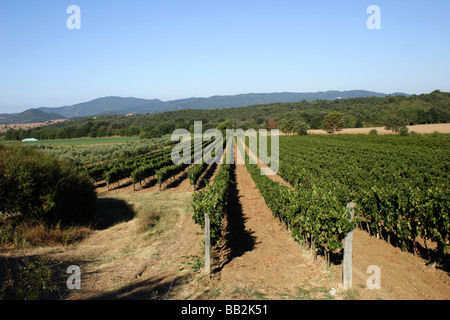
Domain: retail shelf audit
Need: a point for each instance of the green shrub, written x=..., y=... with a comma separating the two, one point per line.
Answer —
x=31, y=283
x=403, y=131
x=39, y=188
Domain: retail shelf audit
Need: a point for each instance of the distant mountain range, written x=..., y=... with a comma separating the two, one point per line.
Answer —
x=120, y=105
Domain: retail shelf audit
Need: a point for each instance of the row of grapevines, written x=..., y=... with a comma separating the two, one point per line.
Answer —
x=149, y=169
x=131, y=167
x=167, y=172
x=314, y=216
x=213, y=201
x=125, y=169
x=98, y=171
x=400, y=184
x=197, y=170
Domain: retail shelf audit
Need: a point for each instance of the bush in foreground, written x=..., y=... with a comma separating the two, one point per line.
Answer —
x=38, y=188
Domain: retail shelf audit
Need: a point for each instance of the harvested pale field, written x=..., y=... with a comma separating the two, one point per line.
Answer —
x=26, y=126
x=420, y=128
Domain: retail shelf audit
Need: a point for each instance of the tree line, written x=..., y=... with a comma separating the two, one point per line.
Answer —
x=289, y=117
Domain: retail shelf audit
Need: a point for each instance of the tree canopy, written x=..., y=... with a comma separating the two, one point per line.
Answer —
x=395, y=122
x=333, y=122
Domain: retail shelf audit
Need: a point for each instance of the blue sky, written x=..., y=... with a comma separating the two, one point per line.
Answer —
x=178, y=49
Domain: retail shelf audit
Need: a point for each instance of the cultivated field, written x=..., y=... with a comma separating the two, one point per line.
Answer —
x=148, y=246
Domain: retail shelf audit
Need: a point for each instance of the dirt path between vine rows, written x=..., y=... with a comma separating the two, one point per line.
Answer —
x=265, y=262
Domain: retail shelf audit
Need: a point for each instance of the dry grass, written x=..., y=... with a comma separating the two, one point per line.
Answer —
x=25, y=126
x=42, y=235
x=149, y=217
x=156, y=212
x=29, y=235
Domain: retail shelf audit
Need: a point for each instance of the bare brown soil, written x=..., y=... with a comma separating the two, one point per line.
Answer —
x=403, y=275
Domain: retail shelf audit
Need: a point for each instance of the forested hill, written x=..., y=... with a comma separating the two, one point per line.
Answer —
x=120, y=105
x=357, y=112
x=29, y=116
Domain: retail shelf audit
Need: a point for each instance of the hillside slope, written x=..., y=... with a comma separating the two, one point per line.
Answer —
x=29, y=116
x=143, y=106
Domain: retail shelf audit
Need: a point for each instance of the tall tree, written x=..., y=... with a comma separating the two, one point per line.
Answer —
x=301, y=128
x=333, y=122
x=394, y=122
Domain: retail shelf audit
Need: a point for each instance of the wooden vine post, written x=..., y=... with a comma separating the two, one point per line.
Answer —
x=348, y=252
x=207, y=244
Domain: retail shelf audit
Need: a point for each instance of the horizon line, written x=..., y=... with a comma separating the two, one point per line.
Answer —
x=211, y=96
